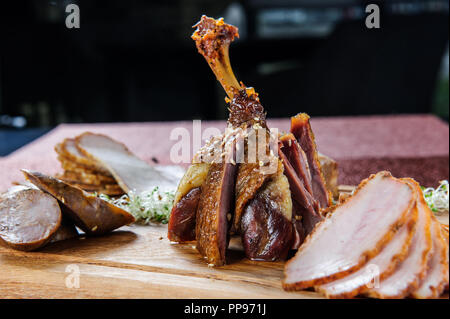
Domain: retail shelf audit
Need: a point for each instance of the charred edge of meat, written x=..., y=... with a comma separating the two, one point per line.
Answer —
x=214, y=213
x=301, y=129
x=246, y=110
x=211, y=35
x=183, y=215
x=90, y=213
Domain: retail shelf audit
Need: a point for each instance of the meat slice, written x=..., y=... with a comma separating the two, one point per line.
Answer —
x=215, y=212
x=353, y=233
x=69, y=152
x=266, y=227
x=28, y=218
x=184, y=210
x=379, y=267
x=306, y=207
x=412, y=270
x=182, y=218
x=130, y=172
x=297, y=158
x=215, y=207
x=90, y=213
x=301, y=128
x=437, y=275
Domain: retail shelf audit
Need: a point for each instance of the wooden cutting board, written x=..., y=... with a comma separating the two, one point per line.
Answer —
x=137, y=262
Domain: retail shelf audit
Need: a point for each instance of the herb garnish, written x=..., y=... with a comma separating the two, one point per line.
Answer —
x=437, y=198
x=147, y=207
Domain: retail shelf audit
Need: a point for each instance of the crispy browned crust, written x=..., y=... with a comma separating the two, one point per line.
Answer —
x=87, y=178
x=212, y=213
x=69, y=165
x=425, y=255
x=110, y=190
x=84, y=162
x=302, y=119
x=90, y=213
x=366, y=256
x=437, y=291
x=395, y=262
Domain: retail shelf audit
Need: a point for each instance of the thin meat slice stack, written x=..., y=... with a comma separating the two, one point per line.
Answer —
x=84, y=172
x=437, y=277
x=388, y=244
x=98, y=163
x=410, y=273
x=356, y=231
x=412, y=242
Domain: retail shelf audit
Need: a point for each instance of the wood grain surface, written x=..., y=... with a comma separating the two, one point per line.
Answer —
x=138, y=262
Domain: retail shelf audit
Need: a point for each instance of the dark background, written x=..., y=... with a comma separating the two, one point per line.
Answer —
x=134, y=61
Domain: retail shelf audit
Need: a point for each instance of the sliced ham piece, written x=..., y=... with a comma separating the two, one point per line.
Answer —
x=353, y=233
x=437, y=276
x=130, y=172
x=378, y=268
x=412, y=270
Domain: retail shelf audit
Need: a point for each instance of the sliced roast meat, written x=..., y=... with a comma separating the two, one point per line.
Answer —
x=90, y=213
x=28, y=218
x=182, y=217
x=297, y=158
x=412, y=270
x=301, y=128
x=266, y=228
x=215, y=212
x=307, y=207
x=352, y=234
x=130, y=172
x=68, y=151
x=379, y=267
x=436, y=277
x=215, y=207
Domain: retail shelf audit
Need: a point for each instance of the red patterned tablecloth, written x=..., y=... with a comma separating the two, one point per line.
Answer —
x=408, y=145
